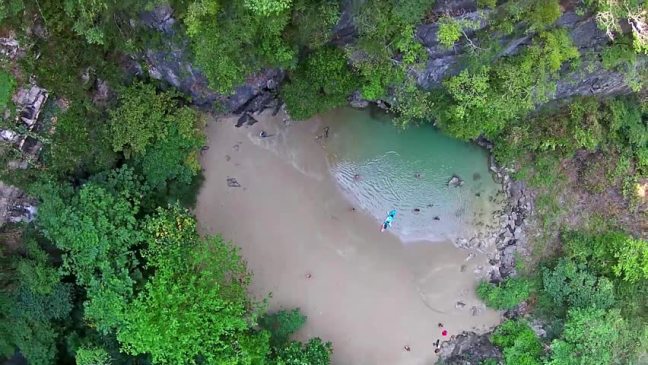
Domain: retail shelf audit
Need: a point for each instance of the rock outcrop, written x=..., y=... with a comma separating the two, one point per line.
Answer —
x=468, y=348
x=15, y=205
x=172, y=64
x=29, y=102
x=511, y=237
x=589, y=79
x=10, y=48
x=585, y=81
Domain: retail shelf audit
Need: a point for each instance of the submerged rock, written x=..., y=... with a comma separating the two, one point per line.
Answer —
x=233, y=183
x=455, y=181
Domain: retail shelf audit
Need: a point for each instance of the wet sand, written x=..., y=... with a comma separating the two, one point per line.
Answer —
x=367, y=293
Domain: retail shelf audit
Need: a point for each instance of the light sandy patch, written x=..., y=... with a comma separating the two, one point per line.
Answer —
x=367, y=293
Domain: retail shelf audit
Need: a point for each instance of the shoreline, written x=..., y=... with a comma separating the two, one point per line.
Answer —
x=502, y=241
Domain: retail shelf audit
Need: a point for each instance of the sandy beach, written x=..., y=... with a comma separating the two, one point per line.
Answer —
x=361, y=289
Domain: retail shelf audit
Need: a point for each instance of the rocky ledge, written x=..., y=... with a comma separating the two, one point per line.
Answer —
x=508, y=237
x=468, y=348
x=509, y=240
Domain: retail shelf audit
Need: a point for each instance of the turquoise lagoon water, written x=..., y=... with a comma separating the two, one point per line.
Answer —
x=380, y=167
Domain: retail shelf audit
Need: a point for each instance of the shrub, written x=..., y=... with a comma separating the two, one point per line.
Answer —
x=611, y=13
x=449, y=32
x=617, y=54
x=322, y=82
x=546, y=171
x=81, y=144
x=377, y=77
x=413, y=105
x=505, y=295
x=386, y=46
x=10, y=8
x=312, y=24
x=7, y=87
x=267, y=7
x=519, y=343
x=314, y=352
x=544, y=13
x=487, y=3
x=626, y=123
x=92, y=356
x=282, y=325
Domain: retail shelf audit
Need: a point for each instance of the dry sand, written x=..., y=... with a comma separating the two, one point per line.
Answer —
x=367, y=293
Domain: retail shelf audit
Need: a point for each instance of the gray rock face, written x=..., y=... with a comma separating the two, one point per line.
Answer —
x=29, y=101
x=10, y=48
x=357, y=101
x=345, y=31
x=468, y=348
x=15, y=205
x=160, y=18
x=173, y=65
x=586, y=81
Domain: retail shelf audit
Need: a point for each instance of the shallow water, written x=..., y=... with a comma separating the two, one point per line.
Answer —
x=380, y=167
x=361, y=289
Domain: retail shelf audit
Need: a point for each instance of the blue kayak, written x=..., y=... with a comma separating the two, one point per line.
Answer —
x=388, y=221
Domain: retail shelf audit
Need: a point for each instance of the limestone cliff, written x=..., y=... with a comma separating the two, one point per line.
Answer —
x=173, y=64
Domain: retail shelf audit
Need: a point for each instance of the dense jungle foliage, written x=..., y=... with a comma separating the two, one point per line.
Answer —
x=113, y=270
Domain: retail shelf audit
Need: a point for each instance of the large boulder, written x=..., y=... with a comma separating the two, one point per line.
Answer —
x=468, y=348
x=455, y=181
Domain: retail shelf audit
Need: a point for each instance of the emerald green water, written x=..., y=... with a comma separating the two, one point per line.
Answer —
x=380, y=167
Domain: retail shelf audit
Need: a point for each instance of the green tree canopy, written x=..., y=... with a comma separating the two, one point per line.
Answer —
x=591, y=336
x=505, y=295
x=97, y=230
x=483, y=100
x=571, y=285
x=519, y=343
x=612, y=253
x=32, y=303
x=161, y=136
x=195, y=306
